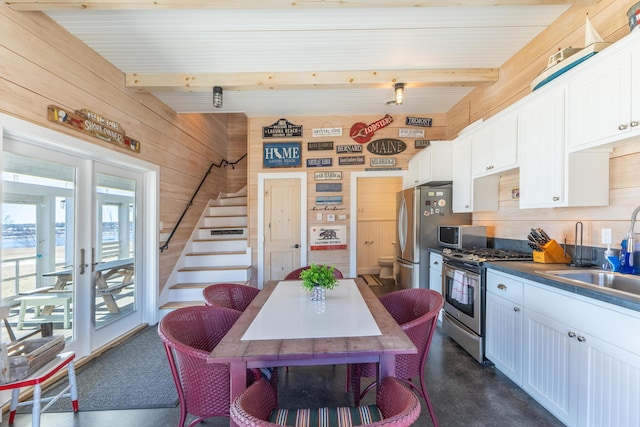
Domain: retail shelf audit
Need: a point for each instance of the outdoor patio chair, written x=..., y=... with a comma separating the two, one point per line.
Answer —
x=229, y=295
x=396, y=406
x=416, y=311
x=295, y=274
x=189, y=334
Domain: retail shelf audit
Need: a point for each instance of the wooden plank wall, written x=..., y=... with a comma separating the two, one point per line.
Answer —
x=609, y=19
x=338, y=257
x=43, y=64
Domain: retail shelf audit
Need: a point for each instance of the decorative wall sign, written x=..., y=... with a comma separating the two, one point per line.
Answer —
x=93, y=124
x=320, y=163
x=282, y=129
x=317, y=133
x=349, y=149
x=333, y=187
x=422, y=143
x=378, y=169
x=320, y=146
x=418, y=121
x=282, y=154
x=328, y=176
x=329, y=200
x=383, y=161
x=326, y=237
x=351, y=160
x=386, y=146
x=411, y=133
x=362, y=133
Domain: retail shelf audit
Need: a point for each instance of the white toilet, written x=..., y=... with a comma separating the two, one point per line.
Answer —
x=386, y=267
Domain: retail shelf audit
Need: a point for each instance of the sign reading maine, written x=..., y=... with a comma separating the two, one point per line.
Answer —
x=386, y=146
x=319, y=146
x=281, y=129
x=418, y=121
x=283, y=154
x=349, y=149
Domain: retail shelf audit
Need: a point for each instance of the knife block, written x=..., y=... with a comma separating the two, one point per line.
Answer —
x=551, y=253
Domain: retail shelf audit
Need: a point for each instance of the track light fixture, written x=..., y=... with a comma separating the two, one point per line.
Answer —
x=399, y=88
x=217, y=96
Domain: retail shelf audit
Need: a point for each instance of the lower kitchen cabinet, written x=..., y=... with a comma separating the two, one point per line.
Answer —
x=435, y=275
x=579, y=357
x=503, y=345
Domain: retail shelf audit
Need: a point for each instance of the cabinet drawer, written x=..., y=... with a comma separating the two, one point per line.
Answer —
x=505, y=286
x=435, y=261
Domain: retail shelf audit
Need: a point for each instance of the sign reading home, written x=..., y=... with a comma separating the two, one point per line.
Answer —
x=386, y=147
x=282, y=129
x=318, y=133
x=93, y=124
x=320, y=163
x=383, y=161
x=351, y=160
x=320, y=146
x=411, y=133
x=362, y=133
x=329, y=187
x=349, y=149
x=328, y=176
x=328, y=237
x=281, y=155
x=418, y=121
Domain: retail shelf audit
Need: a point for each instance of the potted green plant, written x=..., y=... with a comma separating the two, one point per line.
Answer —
x=317, y=279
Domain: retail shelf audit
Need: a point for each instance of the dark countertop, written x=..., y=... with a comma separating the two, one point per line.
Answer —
x=530, y=271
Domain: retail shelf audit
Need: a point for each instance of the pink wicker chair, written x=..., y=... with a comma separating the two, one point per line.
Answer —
x=229, y=295
x=416, y=311
x=295, y=274
x=399, y=406
x=189, y=334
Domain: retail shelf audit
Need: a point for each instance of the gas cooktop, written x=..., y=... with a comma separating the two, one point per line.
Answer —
x=481, y=255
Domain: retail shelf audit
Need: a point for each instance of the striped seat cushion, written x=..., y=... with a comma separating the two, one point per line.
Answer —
x=326, y=417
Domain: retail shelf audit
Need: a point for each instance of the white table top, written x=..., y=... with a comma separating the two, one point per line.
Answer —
x=289, y=313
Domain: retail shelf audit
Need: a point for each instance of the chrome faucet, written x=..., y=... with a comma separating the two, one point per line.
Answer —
x=631, y=236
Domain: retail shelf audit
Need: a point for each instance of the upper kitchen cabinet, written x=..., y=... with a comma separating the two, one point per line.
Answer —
x=471, y=195
x=495, y=145
x=549, y=176
x=603, y=98
x=432, y=163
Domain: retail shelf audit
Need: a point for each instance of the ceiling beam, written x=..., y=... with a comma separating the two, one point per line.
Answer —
x=310, y=80
x=34, y=5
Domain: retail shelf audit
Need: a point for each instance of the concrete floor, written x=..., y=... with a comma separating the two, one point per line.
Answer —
x=463, y=393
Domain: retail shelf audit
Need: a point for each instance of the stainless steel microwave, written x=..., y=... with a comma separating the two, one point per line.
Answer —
x=462, y=236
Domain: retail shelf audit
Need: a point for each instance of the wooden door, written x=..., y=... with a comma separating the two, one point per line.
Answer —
x=281, y=227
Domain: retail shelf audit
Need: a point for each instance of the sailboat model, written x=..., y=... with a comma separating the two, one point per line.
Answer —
x=567, y=58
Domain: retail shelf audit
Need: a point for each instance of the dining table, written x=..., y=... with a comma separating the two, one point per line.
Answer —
x=283, y=327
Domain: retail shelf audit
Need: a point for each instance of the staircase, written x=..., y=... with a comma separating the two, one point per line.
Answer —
x=217, y=252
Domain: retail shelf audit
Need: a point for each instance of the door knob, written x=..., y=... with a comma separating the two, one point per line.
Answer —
x=296, y=246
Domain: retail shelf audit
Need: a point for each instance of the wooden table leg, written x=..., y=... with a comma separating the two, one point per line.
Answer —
x=238, y=381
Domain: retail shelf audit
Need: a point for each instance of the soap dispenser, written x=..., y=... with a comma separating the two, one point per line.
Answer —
x=611, y=261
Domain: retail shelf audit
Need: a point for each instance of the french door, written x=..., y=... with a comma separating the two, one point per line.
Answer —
x=71, y=245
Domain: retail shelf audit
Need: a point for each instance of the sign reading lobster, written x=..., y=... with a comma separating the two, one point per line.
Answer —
x=362, y=133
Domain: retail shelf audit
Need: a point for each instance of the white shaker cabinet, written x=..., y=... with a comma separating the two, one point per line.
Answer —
x=549, y=176
x=604, y=98
x=432, y=163
x=495, y=145
x=504, y=320
x=435, y=275
x=471, y=194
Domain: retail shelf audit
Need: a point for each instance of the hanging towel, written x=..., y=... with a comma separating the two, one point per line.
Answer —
x=458, y=287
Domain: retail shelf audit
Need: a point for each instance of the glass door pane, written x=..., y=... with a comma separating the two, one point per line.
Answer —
x=114, y=253
x=37, y=243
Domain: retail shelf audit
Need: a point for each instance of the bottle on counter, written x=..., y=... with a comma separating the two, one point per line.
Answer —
x=611, y=260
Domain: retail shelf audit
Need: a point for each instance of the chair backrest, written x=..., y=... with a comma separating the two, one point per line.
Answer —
x=416, y=311
x=400, y=407
x=189, y=334
x=295, y=274
x=229, y=295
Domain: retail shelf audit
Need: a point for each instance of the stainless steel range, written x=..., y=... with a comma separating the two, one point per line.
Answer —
x=463, y=286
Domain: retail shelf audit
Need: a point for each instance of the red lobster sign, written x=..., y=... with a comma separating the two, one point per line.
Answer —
x=362, y=133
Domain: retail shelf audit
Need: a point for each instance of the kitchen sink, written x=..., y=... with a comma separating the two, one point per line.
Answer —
x=605, y=279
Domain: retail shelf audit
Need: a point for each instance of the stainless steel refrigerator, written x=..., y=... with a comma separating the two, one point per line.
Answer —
x=420, y=210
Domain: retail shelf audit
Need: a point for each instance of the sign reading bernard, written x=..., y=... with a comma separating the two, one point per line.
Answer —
x=386, y=146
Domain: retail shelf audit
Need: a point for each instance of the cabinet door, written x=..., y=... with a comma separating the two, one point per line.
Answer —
x=541, y=139
x=481, y=152
x=505, y=142
x=550, y=365
x=413, y=168
x=504, y=336
x=609, y=390
x=599, y=102
x=462, y=196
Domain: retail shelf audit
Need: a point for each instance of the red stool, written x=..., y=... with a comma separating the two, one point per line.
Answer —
x=36, y=380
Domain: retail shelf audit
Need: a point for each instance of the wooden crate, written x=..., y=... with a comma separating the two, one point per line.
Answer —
x=26, y=357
